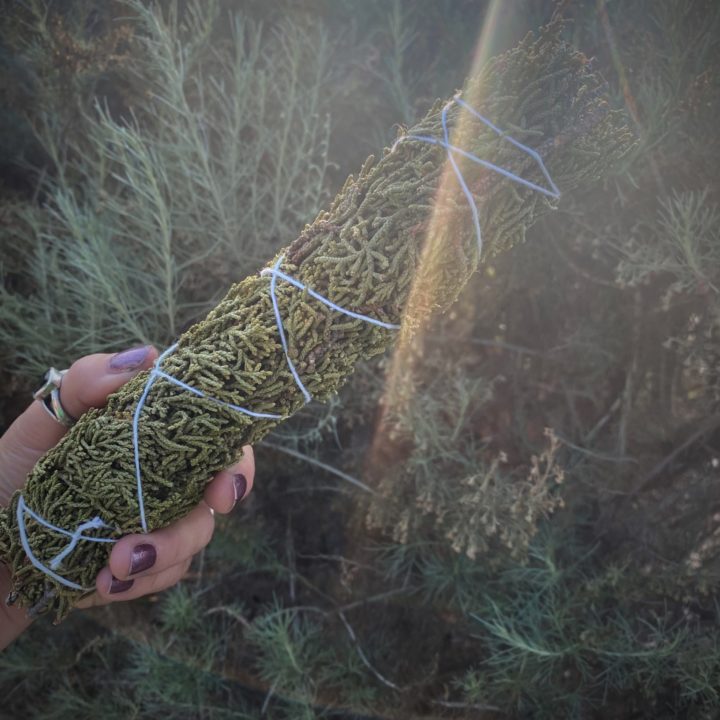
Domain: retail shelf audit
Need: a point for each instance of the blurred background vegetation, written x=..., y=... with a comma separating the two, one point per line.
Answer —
x=532, y=532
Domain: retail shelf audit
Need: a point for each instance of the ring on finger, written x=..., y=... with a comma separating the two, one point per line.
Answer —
x=49, y=396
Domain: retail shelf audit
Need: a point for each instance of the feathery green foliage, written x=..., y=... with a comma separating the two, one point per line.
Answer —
x=221, y=157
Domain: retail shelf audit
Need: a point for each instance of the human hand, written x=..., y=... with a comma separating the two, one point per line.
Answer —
x=139, y=564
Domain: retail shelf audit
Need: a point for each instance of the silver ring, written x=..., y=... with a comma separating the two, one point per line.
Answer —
x=49, y=396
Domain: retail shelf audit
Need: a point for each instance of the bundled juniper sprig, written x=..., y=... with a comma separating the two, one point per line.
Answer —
x=366, y=253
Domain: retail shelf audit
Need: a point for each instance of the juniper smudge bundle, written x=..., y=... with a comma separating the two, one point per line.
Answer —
x=363, y=254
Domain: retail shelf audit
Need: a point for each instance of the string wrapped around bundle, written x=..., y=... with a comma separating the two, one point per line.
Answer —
x=341, y=292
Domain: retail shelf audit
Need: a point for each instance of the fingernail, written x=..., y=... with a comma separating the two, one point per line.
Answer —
x=240, y=486
x=143, y=557
x=128, y=360
x=118, y=586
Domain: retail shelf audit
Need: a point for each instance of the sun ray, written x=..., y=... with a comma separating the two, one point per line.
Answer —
x=410, y=346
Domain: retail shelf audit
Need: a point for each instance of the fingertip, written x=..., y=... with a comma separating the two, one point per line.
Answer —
x=91, y=379
x=131, y=361
x=219, y=494
x=111, y=588
x=103, y=582
x=121, y=556
x=207, y=528
x=245, y=466
x=231, y=486
x=152, y=356
x=140, y=555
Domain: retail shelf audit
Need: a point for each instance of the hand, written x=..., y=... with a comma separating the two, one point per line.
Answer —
x=139, y=564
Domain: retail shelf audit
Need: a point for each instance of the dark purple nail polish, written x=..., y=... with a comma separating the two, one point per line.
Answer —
x=240, y=484
x=128, y=360
x=143, y=557
x=118, y=586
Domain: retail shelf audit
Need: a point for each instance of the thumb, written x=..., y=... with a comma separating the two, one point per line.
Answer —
x=87, y=384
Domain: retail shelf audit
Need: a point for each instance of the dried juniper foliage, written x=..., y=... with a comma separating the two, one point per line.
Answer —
x=364, y=253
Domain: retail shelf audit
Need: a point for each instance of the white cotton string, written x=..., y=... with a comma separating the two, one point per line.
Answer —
x=200, y=393
x=281, y=330
x=20, y=514
x=358, y=316
x=554, y=192
x=95, y=524
x=275, y=273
